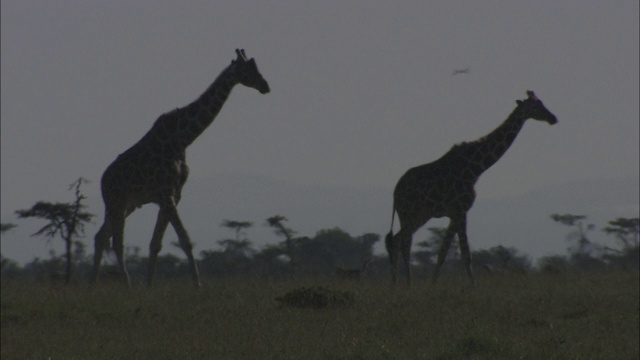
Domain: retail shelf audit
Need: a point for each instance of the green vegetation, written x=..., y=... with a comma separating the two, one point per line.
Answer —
x=284, y=301
x=66, y=220
x=568, y=315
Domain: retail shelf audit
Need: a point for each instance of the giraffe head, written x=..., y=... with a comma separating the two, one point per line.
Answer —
x=248, y=74
x=533, y=108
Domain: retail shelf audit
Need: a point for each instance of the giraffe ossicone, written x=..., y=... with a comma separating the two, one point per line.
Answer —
x=154, y=170
x=445, y=188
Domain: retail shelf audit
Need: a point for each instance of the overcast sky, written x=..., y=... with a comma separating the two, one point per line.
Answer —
x=360, y=91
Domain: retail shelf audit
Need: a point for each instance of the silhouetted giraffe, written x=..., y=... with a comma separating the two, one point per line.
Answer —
x=154, y=169
x=445, y=187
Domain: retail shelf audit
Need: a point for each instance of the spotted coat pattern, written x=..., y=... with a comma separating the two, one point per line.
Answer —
x=154, y=169
x=445, y=187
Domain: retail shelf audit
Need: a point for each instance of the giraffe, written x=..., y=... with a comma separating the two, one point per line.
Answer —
x=445, y=188
x=154, y=169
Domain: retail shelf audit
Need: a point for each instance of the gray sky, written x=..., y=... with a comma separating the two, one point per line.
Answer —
x=361, y=91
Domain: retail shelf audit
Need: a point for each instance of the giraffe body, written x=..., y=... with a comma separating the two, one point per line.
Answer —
x=154, y=170
x=445, y=188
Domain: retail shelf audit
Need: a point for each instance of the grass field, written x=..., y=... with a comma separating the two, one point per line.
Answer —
x=559, y=316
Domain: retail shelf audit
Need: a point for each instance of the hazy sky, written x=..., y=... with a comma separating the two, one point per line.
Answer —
x=360, y=91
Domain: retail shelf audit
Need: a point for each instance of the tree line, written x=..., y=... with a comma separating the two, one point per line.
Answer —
x=329, y=252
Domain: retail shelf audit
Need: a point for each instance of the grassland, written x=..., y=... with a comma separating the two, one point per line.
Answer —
x=559, y=316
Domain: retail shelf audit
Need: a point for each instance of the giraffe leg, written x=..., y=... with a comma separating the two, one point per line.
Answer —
x=118, y=244
x=173, y=217
x=156, y=244
x=464, y=247
x=393, y=249
x=397, y=245
x=400, y=244
x=101, y=241
x=405, y=249
x=444, y=249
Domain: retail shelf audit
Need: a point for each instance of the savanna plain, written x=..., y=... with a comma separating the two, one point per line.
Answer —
x=535, y=316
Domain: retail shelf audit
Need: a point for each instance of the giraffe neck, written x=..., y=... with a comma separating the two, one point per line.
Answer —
x=200, y=114
x=486, y=151
x=180, y=127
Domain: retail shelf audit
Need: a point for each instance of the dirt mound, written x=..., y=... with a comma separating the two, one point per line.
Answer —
x=316, y=297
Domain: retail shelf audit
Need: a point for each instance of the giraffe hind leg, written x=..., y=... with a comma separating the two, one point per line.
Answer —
x=393, y=249
x=403, y=240
x=156, y=244
x=185, y=242
x=405, y=249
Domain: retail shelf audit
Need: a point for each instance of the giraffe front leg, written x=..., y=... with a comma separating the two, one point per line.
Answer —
x=101, y=241
x=185, y=242
x=118, y=245
x=156, y=245
x=444, y=249
x=464, y=249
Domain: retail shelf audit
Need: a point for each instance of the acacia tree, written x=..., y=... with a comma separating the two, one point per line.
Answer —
x=237, y=226
x=626, y=230
x=236, y=255
x=584, y=245
x=582, y=254
x=65, y=219
x=4, y=262
x=6, y=227
x=279, y=229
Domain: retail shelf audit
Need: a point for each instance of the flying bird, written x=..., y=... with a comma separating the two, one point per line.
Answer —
x=461, y=71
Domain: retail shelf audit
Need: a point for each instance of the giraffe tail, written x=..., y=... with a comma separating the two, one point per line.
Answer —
x=393, y=217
